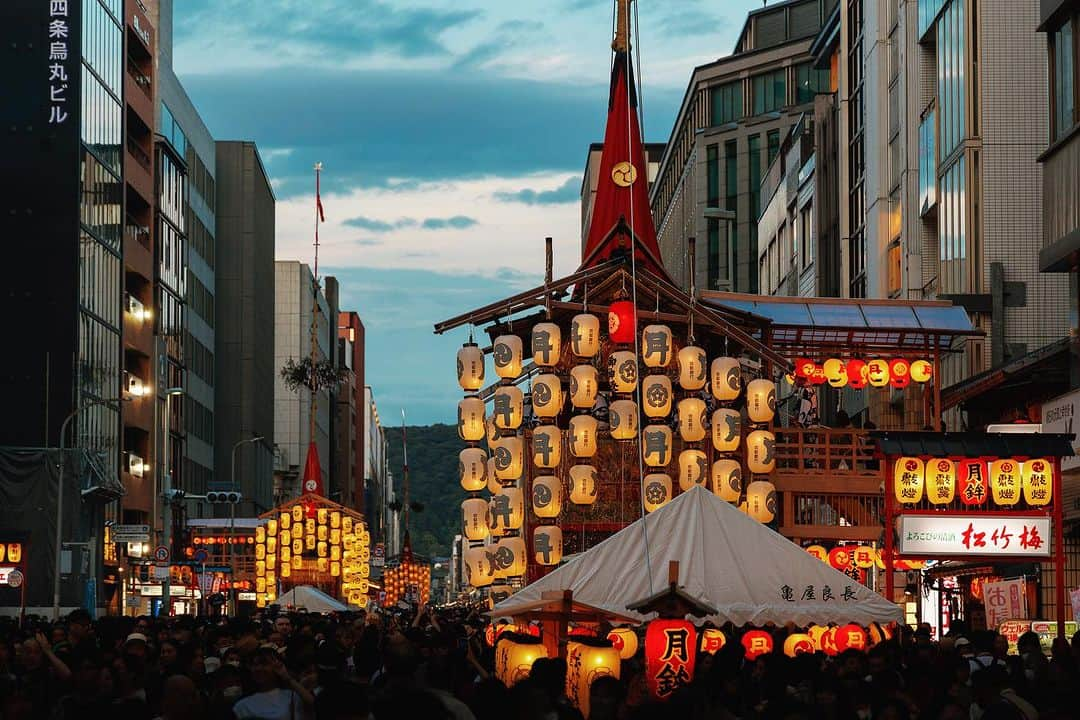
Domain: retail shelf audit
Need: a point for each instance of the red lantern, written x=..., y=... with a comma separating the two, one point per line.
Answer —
x=899, y=373
x=621, y=322
x=817, y=377
x=670, y=653
x=712, y=641
x=850, y=637
x=827, y=642
x=804, y=368
x=798, y=644
x=841, y=558
x=757, y=643
x=972, y=476
x=856, y=374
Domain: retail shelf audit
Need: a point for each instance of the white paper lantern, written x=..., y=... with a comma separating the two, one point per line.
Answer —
x=506, y=511
x=761, y=400
x=656, y=346
x=546, y=344
x=583, y=436
x=479, y=567
x=656, y=445
x=656, y=396
x=623, y=371
x=585, y=335
x=583, y=485
x=656, y=491
x=692, y=419
x=472, y=469
x=693, y=469
x=547, y=398
x=584, y=385
x=508, y=407
x=623, y=419
x=761, y=501
x=474, y=519
x=726, y=378
x=506, y=354
x=509, y=454
x=547, y=496
x=471, y=419
x=510, y=557
x=693, y=368
x=761, y=452
x=726, y=430
x=493, y=483
x=546, y=446
x=547, y=545
x=470, y=367
x=726, y=482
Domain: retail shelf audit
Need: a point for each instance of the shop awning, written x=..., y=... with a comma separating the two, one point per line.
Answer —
x=974, y=444
x=1049, y=360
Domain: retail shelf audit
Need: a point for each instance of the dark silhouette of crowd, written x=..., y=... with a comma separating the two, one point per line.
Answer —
x=386, y=665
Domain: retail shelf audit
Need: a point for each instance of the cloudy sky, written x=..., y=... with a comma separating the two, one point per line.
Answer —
x=452, y=134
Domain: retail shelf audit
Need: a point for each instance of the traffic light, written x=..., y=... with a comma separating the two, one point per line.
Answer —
x=223, y=497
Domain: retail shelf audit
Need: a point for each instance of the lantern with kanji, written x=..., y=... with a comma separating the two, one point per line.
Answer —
x=940, y=481
x=692, y=419
x=757, y=643
x=584, y=385
x=877, y=372
x=726, y=377
x=693, y=469
x=656, y=346
x=726, y=430
x=583, y=436
x=656, y=445
x=817, y=377
x=1005, y=481
x=506, y=511
x=858, y=374
x=546, y=344
x=656, y=396
x=585, y=335
x=761, y=452
x=474, y=519
x=507, y=407
x=908, y=480
x=471, y=419
x=804, y=368
x=798, y=644
x=622, y=371
x=621, y=322
x=819, y=552
x=623, y=419
x=586, y=661
x=835, y=372
x=841, y=558
x=514, y=658
x=506, y=354
x=1037, y=480
x=547, y=544
x=712, y=641
x=971, y=476
x=693, y=368
x=899, y=373
x=472, y=469
x=547, y=446
x=655, y=491
x=470, y=367
x=479, y=567
x=583, y=485
x=547, y=396
x=850, y=637
x=493, y=482
x=921, y=371
x=761, y=501
x=509, y=454
x=547, y=496
x=625, y=640
x=510, y=557
x=761, y=400
x=864, y=557
x=726, y=480
x=670, y=655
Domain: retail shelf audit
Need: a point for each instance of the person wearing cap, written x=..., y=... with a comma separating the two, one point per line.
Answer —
x=136, y=645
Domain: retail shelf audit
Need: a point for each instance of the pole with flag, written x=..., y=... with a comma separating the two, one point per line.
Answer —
x=312, y=479
x=406, y=544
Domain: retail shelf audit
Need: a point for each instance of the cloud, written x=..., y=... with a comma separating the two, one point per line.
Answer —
x=378, y=226
x=367, y=242
x=458, y=222
x=568, y=192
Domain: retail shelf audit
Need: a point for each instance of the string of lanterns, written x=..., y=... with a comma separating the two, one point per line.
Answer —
x=857, y=374
x=973, y=481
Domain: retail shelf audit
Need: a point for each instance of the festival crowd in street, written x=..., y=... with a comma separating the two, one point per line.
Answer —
x=437, y=664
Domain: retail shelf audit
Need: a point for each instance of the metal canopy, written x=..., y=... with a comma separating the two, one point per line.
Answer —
x=819, y=324
x=974, y=444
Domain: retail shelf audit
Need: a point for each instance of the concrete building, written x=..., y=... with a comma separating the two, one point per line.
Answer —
x=653, y=153
x=244, y=408
x=733, y=116
x=351, y=415
x=378, y=478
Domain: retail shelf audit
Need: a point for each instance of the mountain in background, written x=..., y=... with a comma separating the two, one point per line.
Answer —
x=433, y=481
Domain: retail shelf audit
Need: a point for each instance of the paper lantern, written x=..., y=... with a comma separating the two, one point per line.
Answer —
x=286, y=569
x=271, y=562
x=583, y=485
x=260, y=552
x=506, y=354
x=547, y=396
x=506, y=511
x=761, y=400
x=908, y=480
x=971, y=475
x=656, y=346
x=514, y=659
x=335, y=568
x=841, y=558
x=322, y=549
x=625, y=641
x=835, y=372
x=693, y=469
x=493, y=482
x=479, y=567
x=622, y=316
x=864, y=557
x=940, y=481
x=656, y=396
x=819, y=552
x=510, y=557
x=851, y=637
x=622, y=371
x=585, y=335
x=858, y=374
x=757, y=643
x=547, y=545
x=656, y=445
x=761, y=452
x=804, y=368
x=726, y=430
x=877, y=372
x=692, y=419
x=798, y=644
x=298, y=510
x=899, y=373
x=921, y=371
x=584, y=385
x=761, y=501
x=470, y=420
x=727, y=480
x=509, y=456
x=474, y=519
x=271, y=546
x=817, y=376
x=583, y=436
x=585, y=663
x=507, y=407
x=726, y=374
x=323, y=533
x=309, y=527
x=309, y=542
x=1037, y=481
x=670, y=656
x=298, y=545
x=824, y=639
x=1005, y=481
x=547, y=446
x=335, y=552
x=260, y=534
x=623, y=419
x=470, y=367
x=656, y=491
x=335, y=519
x=693, y=368
x=472, y=469
x=546, y=344
x=712, y=641
x=547, y=496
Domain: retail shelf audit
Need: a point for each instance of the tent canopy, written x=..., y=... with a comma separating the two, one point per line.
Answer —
x=750, y=574
x=311, y=599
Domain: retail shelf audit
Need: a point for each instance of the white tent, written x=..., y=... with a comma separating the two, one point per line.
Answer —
x=311, y=599
x=749, y=573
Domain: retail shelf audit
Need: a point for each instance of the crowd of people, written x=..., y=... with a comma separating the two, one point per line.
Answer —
x=279, y=665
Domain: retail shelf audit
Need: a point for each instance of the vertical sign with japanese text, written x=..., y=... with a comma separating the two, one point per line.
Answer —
x=63, y=58
x=1005, y=600
x=670, y=654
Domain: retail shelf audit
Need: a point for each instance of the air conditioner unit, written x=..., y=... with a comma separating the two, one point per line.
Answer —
x=135, y=465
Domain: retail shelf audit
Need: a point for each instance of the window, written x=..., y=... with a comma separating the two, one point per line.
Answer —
x=754, y=190
x=952, y=229
x=712, y=154
x=773, y=140
x=951, y=77
x=769, y=91
x=1063, y=78
x=200, y=299
x=806, y=234
x=809, y=82
x=927, y=164
x=726, y=102
x=730, y=242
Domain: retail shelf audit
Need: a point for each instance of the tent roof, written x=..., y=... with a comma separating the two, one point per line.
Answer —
x=311, y=598
x=750, y=574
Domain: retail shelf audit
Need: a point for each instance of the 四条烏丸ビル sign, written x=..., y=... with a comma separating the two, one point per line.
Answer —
x=936, y=535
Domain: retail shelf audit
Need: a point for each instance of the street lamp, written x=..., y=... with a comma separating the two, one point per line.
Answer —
x=232, y=512
x=166, y=492
x=60, y=494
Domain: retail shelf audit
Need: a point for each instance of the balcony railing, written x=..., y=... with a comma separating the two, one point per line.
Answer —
x=825, y=451
x=836, y=510
x=137, y=232
x=141, y=79
x=140, y=155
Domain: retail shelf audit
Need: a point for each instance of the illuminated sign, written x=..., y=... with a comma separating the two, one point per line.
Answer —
x=1004, y=535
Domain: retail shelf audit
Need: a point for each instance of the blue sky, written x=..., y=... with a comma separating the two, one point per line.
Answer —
x=452, y=134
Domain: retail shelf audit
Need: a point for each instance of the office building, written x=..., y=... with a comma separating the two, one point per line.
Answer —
x=349, y=430
x=378, y=478
x=728, y=129
x=244, y=272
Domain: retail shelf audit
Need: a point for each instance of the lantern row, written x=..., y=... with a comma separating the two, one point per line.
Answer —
x=863, y=557
x=397, y=582
x=877, y=372
x=974, y=481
